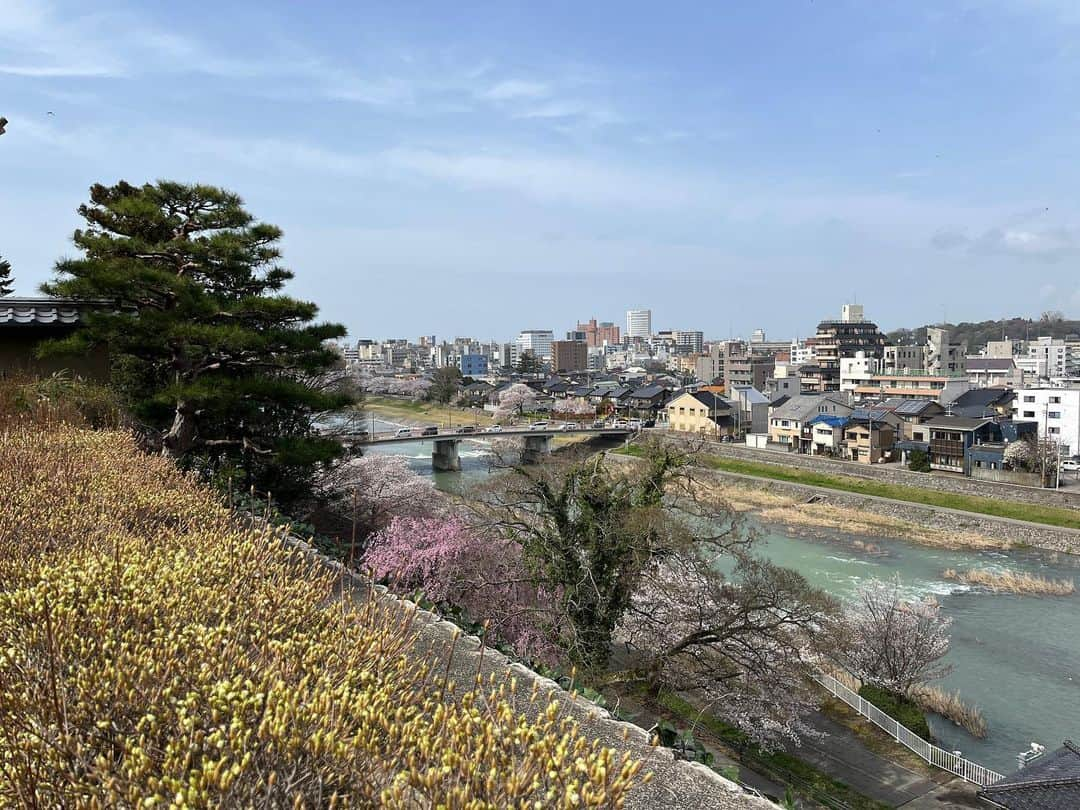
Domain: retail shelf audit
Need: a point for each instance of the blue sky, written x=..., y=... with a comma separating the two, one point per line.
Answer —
x=470, y=169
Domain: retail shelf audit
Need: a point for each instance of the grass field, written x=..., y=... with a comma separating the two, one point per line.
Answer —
x=426, y=412
x=1032, y=513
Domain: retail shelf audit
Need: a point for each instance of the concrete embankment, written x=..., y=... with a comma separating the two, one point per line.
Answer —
x=806, y=509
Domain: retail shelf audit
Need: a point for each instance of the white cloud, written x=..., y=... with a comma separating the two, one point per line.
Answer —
x=513, y=89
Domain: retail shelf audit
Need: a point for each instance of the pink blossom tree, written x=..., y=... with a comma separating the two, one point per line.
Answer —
x=514, y=401
x=457, y=566
x=576, y=408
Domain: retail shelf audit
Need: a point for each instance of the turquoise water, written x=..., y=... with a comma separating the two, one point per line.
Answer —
x=1016, y=657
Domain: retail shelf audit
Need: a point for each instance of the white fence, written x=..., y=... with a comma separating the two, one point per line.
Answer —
x=947, y=761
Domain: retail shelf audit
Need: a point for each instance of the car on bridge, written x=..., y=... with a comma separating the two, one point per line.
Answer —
x=467, y=429
x=494, y=429
x=430, y=430
x=539, y=426
x=402, y=432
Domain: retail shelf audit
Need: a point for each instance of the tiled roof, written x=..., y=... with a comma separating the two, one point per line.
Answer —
x=17, y=311
x=913, y=407
x=1049, y=783
x=955, y=422
x=985, y=396
x=830, y=420
x=990, y=363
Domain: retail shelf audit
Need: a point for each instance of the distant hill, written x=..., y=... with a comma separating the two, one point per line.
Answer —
x=1053, y=324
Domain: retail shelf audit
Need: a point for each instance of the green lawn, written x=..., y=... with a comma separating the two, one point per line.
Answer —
x=779, y=766
x=1047, y=515
x=436, y=414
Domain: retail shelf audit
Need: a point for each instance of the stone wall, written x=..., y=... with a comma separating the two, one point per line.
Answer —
x=895, y=474
x=1009, y=532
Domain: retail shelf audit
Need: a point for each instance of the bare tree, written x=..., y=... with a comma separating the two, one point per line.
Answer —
x=893, y=642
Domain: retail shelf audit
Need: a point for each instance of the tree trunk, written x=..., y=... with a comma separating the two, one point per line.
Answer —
x=181, y=435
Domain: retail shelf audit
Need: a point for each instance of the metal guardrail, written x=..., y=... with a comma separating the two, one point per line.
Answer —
x=938, y=757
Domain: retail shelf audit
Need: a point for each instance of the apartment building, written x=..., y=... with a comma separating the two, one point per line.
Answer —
x=569, y=355
x=638, y=323
x=1057, y=412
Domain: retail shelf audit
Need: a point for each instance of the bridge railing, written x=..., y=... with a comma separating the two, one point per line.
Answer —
x=938, y=757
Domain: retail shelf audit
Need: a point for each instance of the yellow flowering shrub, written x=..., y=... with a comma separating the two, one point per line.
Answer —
x=155, y=652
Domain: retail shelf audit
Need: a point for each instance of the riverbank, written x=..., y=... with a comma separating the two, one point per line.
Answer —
x=411, y=413
x=816, y=510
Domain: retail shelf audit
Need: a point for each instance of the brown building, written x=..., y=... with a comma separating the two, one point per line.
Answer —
x=597, y=334
x=569, y=355
x=26, y=322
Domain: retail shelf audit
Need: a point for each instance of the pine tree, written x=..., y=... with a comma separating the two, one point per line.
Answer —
x=6, y=281
x=202, y=343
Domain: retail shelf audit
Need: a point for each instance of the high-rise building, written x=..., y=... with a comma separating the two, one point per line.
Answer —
x=757, y=336
x=535, y=341
x=688, y=342
x=597, y=334
x=473, y=365
x=569, y=355
x=638, y=323
x=843, y=338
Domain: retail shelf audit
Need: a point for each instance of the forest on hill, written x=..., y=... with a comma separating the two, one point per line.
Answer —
x=976, y=334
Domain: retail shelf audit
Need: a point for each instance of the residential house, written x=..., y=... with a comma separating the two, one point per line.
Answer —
x=787, y=423
x=648, y=400
x=827, y=434
x=913, y=413
x=870, y=435
x=994, y=372
x=476, y=394
x=1051, y=782
x=701, y=412
x=951, y=436
x=752, y=414
x=984, y=402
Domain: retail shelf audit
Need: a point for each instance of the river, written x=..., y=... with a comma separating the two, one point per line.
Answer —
x=1016, y=657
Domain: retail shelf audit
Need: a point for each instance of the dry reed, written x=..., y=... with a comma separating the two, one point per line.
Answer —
x=952, y=707
x=1011, y=581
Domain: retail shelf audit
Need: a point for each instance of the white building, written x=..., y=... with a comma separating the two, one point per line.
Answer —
x=638, y=323
x=801, y=352
x=852, y=313
x=535, y=341
x=689, y=342
x=858, y=370
x=1055, y=352
x=1057, y=410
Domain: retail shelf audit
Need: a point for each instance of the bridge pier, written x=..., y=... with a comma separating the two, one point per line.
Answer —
x=535, y=448
x=444, y=455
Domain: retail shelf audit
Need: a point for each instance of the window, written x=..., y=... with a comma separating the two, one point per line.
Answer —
x=1029, y=398
x=1053, y=415
x=785, y=423
x=1029, y=414
x=1053, y=430
x=1055, y=400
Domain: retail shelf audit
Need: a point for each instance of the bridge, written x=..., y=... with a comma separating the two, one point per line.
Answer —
x=444, y=454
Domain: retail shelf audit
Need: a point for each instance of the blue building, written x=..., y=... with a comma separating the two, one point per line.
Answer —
x=474, y=365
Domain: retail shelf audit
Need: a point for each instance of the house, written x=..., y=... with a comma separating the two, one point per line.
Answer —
x=1051, y=782
x=984, y=402
x=951, y=436
x=912, y=413
x=787, y=422
x=940, y=387
x=752, y=414
x=648, y=400
x=870, y=435
x=476, y=394
x=826, y=434
x=26, y=322
x=701, y=412
x=994, y=372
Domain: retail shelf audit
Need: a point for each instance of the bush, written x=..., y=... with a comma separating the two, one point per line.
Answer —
x=919, y=461
x=155, y=649
x=901, y=709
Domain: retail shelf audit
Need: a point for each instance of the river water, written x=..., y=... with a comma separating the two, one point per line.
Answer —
x=1016, y=657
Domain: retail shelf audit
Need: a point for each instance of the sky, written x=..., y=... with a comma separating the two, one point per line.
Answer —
x=477, y=169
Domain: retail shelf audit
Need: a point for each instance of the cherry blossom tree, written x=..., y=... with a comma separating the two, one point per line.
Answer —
x=575, y=408
x=1020, y=455
x=514, y=401
x=896, y=643
x=459, y=567
x=373, y=488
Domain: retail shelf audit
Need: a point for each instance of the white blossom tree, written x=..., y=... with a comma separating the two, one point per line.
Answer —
x=576, y=407
x=373, y=488
x=893, y=642
x=1020, y=455
x=514, y=401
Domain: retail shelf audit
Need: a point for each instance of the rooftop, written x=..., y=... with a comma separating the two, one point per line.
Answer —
x=1049, y=783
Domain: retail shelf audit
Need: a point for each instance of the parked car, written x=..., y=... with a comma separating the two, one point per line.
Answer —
x=430, y=430
x=494, y=429
x=403, y=432
x=621, y=424
x=538, y=426
x=649, y=423
x=1070, y=465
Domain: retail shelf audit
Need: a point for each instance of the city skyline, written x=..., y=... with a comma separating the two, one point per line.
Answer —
x=479, y=163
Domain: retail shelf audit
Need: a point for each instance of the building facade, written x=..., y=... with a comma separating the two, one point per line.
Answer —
x=569, y=355
x=535, y=341
x=1057, y=412
x=473, y=365
x=638, y=323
